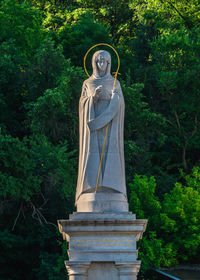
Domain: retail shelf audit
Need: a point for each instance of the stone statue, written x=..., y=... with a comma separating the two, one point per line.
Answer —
x=101, y=105
x=102, y=233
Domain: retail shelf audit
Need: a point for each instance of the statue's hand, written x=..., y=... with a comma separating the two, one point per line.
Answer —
x=97, y=93
x=114, y=92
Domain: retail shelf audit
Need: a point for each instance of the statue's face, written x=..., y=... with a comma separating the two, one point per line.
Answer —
x=102, y=62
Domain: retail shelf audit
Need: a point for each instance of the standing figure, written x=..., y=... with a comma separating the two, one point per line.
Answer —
x=101, y=105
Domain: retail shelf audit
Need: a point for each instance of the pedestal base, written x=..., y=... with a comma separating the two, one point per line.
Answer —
x=108, y=202
x=102, y=270
x=102, y=245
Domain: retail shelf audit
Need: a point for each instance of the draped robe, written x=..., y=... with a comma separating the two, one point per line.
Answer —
x=94, y=115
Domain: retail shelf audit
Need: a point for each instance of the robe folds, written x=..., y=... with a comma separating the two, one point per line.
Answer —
x=94, y=115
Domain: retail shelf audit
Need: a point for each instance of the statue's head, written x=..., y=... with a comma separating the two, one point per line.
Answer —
x=101, y=63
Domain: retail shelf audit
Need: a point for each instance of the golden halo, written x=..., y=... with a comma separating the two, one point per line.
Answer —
x=102, y=44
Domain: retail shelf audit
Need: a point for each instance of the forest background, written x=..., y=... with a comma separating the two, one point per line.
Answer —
x=42, y=44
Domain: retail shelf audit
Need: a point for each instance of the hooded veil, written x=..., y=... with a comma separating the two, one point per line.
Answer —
x=94, y=115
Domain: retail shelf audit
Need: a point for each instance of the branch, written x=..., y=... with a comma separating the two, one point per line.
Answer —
x=45, y=200
x=171, y=123
x=186, y=143
x=179, y=13
x=175, y=113
x=177, y=119
x=15, y=222
x=184, y=156
x=195, y=130
x=37, y=215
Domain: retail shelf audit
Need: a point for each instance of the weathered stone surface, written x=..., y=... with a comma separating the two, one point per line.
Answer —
x=109, y=271
x=104, y=237
x=102, y=234
x=81, y=224
x=101, y=104
x=101, y=202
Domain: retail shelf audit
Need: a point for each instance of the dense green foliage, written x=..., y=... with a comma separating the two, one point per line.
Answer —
x=42, y=44
x=173, y=233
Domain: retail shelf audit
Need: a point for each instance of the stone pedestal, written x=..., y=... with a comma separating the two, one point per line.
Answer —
x=110, y=202
x=102, y=234
x=102, y=245
x=77, y=270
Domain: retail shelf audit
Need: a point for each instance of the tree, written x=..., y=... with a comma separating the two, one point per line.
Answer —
x=42, y=44
x=173, y=231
